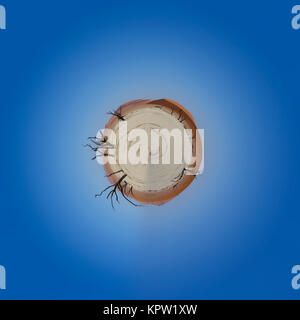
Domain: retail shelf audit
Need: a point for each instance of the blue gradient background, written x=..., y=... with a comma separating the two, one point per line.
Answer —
x=233, y=234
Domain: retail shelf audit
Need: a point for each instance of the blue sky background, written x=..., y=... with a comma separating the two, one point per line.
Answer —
x=234, y=233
